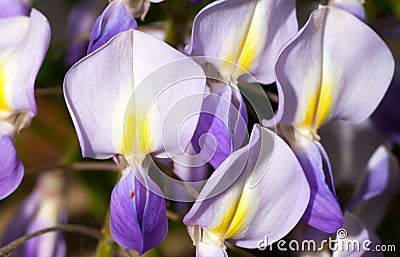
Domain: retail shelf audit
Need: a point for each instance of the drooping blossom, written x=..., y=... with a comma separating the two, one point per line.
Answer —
x=259, y=191
x=23, y=45
x=321, y=79
x=120, y=111
x=45, y=207
x=241, y=40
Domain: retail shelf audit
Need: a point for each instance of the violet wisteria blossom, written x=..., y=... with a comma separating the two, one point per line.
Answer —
x=321, y=78
x=266, y=199
x=23, y=45
x=108, y=98
x=242, y=39
x=44, y=207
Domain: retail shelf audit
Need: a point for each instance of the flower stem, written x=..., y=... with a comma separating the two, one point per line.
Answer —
x=79, y=229
x=104, y=166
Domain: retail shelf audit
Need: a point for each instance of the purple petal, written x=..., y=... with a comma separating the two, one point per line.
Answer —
x=265, y=185
x=352, y=6
x=319, y=84
x=11, y=8
x=19, y=36
x=11, y=169
x=118, y=75
x=248, y=34
x=377, y=189
x=378, y=177
x=323, y=211
x=138, y=216
x=114, y=20
x=222, y=125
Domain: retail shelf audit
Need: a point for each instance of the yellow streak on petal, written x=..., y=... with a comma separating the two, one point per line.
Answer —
x=321, y=102
x=239, y=219
x=252, y=40
x=324, y=105
x=235, y=218
x=136, y=138
x=3, y=103
x=248, y=47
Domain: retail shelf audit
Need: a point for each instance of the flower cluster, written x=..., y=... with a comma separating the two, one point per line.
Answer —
x=141, y=102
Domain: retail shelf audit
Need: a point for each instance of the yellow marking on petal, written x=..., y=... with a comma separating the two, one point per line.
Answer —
x=3, y=103
x=320, y=102
x=248, y=48
x=136, y=139
x=324, y=105
x=238, y=221
x=251, y=43
x=236, y=217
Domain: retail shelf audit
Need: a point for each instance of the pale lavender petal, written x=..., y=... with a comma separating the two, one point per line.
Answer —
x=11, y=169
x=118, y=75
x=323, y=211
x=19, y=64
x=11, y=8
x=115, y=19
x=138, y=216
x=256, y=179
x=354, y=7
x=319, y=84
x=246, y=33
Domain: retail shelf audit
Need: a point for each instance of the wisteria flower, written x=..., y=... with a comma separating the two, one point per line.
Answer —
x=117, y=112
x=241, y=39
x=259, y=191
x=320, y=79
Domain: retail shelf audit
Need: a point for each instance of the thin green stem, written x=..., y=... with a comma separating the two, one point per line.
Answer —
x=56, y=90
